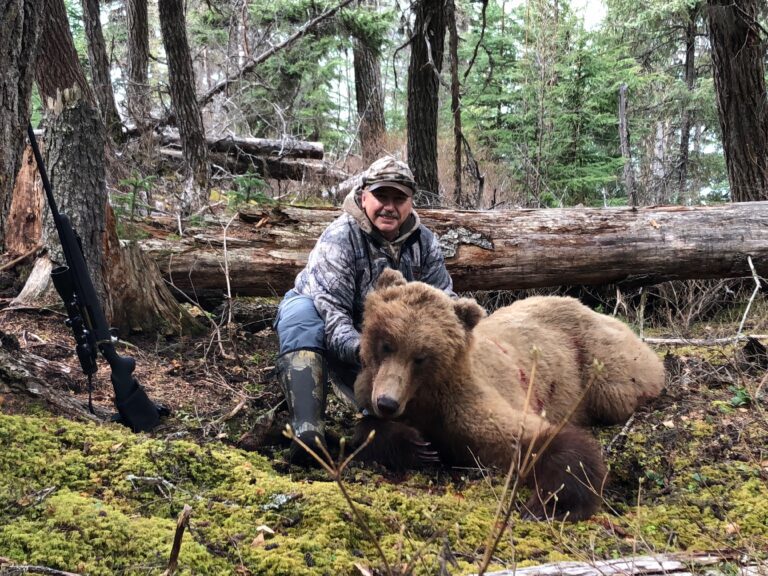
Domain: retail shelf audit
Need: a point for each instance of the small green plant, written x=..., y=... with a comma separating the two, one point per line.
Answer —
x=136, y=184
x=248, y=188
x=741, y=397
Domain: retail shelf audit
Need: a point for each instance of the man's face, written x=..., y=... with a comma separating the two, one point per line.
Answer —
x=387, y=209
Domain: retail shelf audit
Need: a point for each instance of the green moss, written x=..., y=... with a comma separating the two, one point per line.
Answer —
x=100, y=500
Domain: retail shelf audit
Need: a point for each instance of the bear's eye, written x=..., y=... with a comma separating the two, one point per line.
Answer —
x=419, y=360
x=386, y=349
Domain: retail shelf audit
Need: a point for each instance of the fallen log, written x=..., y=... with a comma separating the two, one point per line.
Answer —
x=283, y=148
x=491, y=250
x=34, y=378
x=302, y=170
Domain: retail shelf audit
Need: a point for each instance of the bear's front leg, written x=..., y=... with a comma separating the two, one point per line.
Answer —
x=395, y=445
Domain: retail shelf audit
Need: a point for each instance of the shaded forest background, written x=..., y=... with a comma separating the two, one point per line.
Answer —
x=531, y=94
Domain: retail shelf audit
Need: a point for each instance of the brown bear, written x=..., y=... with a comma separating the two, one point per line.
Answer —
x=486, y=389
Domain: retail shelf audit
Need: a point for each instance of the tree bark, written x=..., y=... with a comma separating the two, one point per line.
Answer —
x=74, y=144
x=690, y=84
x=285, y=148
x=453, y=48
x=25, y=224
x=137, y=92
x=20, y=23
x=57, y=64
x=181, y=77
x=267, y=167
x=26, y=374
x=423, y=101
x=742, y=102
x=626, y=151
x=491, y=250
x=102, y=81
x=369, y=98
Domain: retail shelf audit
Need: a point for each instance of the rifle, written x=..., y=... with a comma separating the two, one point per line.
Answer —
x=86, y=318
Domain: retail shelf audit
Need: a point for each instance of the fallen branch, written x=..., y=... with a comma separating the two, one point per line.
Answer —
x=181, y=524
x=8, y=568
x=704, y=341
x=669, y=564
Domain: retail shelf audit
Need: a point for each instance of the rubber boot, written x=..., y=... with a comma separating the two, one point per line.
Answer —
x=303, y=376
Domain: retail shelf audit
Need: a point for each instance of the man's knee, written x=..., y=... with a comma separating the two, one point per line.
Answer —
x=299, y=325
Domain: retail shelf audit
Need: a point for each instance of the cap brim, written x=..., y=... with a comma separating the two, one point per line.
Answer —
x=408, y=191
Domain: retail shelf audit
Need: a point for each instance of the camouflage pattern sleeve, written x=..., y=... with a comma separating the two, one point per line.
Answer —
x=330, y=279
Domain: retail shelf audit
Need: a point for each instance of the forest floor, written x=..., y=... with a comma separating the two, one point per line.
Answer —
x=689, y=472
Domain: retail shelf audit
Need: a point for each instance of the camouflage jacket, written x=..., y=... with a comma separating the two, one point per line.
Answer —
x=346, y=262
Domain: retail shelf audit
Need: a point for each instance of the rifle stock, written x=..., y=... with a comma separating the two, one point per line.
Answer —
x=88, y=323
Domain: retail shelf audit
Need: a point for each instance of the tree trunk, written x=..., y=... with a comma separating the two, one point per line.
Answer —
x=453, y=43
x=20, y=23
x=25, y=224
x=102, y=81
x=181, y=77
x=137, y=92
x=423, y=99
x=626, y=151
x=491, y=250
x=58, y=67
x=74, y=144
x=685, y=120
x=742, y=102
x=370, y=99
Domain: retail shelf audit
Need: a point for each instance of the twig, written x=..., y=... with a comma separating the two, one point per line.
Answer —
x=24, y=256
x=704, y=341
x=161, y=483
x=622, y=432
x=752, y=298
x=8, y=568
x=181, y=524
x=335, y=472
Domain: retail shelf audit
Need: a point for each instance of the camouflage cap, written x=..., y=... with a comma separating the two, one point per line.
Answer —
x=388, y=171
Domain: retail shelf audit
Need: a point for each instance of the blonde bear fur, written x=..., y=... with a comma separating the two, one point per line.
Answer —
x=438, y=370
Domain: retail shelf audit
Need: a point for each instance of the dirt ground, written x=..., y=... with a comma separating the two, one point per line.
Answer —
x=218, y=386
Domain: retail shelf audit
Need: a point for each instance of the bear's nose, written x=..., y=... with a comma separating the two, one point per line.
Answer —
x=387, y=406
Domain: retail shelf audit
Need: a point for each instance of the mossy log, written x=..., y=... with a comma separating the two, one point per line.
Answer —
x=489, y=250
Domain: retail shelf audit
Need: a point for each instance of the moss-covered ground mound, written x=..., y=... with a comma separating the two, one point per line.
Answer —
x=689, y=473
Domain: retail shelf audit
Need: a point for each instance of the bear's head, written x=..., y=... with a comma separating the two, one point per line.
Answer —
x=414, y=338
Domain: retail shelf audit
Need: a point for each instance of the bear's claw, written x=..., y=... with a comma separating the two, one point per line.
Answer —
x=395, y=445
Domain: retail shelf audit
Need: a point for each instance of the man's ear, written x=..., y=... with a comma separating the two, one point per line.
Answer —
x=468, y=311
x=390, y=278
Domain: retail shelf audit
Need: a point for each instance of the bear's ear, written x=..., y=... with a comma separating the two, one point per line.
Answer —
x=390, y=278
x=468, y=311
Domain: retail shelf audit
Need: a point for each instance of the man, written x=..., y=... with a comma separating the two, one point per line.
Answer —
x=319, y=320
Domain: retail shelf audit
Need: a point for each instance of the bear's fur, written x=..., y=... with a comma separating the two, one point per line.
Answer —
x=438, y=369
